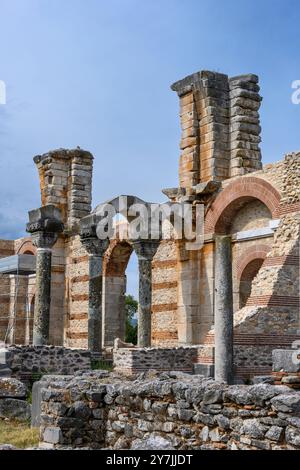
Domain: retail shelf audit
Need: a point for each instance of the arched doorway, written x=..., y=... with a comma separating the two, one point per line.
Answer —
x=246, y=279
x=115, y=283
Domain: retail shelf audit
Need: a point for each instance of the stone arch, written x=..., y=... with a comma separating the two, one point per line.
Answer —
x=247, y=267
x=116, y=257
x=26, y=248
x=259, y=251
x=234, y=197
x=115, y=262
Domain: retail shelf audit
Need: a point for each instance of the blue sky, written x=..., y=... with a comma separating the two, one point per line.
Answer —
x=97, y=73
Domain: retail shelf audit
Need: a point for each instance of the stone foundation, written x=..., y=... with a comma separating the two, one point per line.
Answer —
x=28, y=362
x=130, y=361
x=172, y=410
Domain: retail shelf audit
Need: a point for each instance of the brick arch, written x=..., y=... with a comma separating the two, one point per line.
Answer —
x=116, y=258
x=27, y=248
x=252, y=253
x=234, y=197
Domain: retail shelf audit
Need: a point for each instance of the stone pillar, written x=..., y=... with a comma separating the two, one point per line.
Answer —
x=44, y=225
x=95, y=249
x=145, y=250
x=223, y=310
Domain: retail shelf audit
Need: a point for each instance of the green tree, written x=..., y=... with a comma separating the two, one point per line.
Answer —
x=131, y=307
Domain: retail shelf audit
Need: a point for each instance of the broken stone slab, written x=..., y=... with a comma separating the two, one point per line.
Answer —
x=291, y=379
x=8, y=447
x=263, y=379
x=5, y=372
x=253, y=394
x=253, y=428
x=206, y=370
x=12, y=388
x=52, y=435
x=286, y=360
x=152, y=443
x=11, y=408
x=274, y=433
x=292, y=436
x=287, y=403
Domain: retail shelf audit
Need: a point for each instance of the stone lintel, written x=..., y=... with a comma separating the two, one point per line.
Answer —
x=62, y=153
x=209, y=187
x=173, y=193
x=187, y=84
x=145, y=249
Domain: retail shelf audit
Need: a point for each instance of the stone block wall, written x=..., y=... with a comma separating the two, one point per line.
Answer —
x=26, y=362
x=165, y=295
x=77, y=278
x=286, y=366
x=220, y=132
x=134, y=360
x=170, y=411
x=66, y=181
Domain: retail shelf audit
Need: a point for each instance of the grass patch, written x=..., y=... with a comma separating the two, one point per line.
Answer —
x=18, y=434
x=104, y=365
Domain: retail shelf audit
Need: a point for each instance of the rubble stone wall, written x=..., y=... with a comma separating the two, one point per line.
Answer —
x=134, y=360
x=170, y=411
x=27, y=361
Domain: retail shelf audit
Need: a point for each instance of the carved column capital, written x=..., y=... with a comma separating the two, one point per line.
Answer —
x=145, y=249
x=94, y=246
x=44, y=226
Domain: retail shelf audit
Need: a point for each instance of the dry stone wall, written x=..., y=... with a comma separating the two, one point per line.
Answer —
x=27, y=362
x=170, y=410
x=133, y=360
x=13, y=403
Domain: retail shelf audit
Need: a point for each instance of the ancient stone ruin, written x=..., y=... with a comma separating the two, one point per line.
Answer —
x=217, y=310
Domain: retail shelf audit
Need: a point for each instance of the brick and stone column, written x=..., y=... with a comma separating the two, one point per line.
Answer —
x=44, y=225
x=145, y=250
x=223, y=310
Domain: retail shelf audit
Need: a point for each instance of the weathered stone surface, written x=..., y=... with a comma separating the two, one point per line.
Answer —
x=284, y=359
x=264, y=379
x=8, y=447
x=53, y=435
x=253, y=428
x=12, y=388
x=156, y=408
x=287, y=403
x=213, y=394
x=223, y=311
x=153, y=442
x=275, y=433
x=292, y=436
x=15, y=409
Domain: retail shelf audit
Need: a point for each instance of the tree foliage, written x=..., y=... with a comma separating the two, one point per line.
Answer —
x=131, y=308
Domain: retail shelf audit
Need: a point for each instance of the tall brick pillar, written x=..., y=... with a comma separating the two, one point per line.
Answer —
x=220, y=130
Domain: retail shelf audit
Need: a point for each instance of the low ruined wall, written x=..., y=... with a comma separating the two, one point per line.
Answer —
x=13, y=400
x=25, y=361
x=169, y=410
x=251, y=360
x=133, y=360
